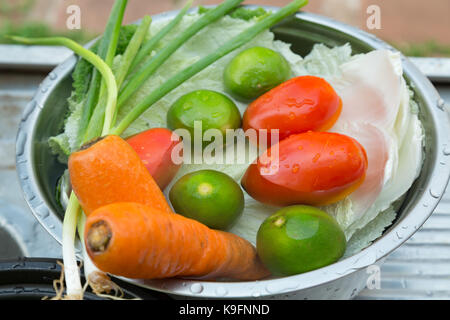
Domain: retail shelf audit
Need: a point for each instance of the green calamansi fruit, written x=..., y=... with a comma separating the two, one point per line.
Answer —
x=211, y=109
x=298, y=239
x=255, y=71
x=210, y=197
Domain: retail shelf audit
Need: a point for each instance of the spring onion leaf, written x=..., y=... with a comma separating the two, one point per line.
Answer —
x=130, y=53
x=132, y=49
x=106, y=51
x=88, y=55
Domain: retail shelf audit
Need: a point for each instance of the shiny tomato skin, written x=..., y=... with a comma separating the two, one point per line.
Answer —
x=315, y=168
x=154, y=148
x=301, y=104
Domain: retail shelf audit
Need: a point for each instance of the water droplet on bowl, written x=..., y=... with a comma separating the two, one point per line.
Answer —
x=196, y=288
x=221, y=291
x=446, y=151
x=434, y=193
x=28, y=110
x=42, y=211
x=52, y=76
x=441, y=104
x=20, y=145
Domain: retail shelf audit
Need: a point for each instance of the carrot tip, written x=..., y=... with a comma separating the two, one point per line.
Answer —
x=98, y=237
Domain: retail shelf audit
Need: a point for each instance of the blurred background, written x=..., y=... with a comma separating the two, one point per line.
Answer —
x=416, y=27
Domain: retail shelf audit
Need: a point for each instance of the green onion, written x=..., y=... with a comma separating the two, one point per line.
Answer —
x=150, y=45
x=132, y=50
x=189, y=72
x=99, y=64
x=99, y=116
x=72, y=274
x=106, y=50
x=154, y=63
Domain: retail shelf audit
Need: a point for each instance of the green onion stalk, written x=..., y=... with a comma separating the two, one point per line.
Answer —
x=71, y=217
x=106, y=51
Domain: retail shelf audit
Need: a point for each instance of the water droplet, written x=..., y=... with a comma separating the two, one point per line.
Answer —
x=300, y=148
x=404, y=227
x=196, y=288
x=425, y=205
x=256, y=294
x=20, y=145
x=434, y=193
x=52, y=76
x=216, y=114
x=221, y=291
x=28, y=110
x=399, y=235
x=44, y=89
x=441, y=104
x=446, y=151
x=295, y=168
x=279, y=287
x=292, y=116
x=442, y=163
x=316, y=157
x=42, y=211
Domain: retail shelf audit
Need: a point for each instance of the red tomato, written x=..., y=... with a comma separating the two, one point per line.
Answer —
x=315, y=168
x=298, y=105
x=154, y=147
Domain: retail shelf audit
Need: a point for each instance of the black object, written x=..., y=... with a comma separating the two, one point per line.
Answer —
x=32, y=279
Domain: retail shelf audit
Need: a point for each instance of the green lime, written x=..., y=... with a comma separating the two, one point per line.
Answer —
x=210, y=197
x=213, y=110
x=298, y=239
x=255, y=71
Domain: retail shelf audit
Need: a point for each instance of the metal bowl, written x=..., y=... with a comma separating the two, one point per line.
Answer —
x=39, y=170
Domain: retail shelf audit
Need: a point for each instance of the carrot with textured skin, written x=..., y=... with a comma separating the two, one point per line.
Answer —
x=111, y=171
x=141, y=242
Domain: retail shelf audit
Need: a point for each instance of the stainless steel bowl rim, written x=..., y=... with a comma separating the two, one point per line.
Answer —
x=391, y=240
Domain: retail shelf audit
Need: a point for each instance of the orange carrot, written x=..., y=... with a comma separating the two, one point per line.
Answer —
x=110, y=171
x=141, y=242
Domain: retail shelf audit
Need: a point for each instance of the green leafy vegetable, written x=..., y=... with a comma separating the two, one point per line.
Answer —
x=248, y=14
x=242, y=13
